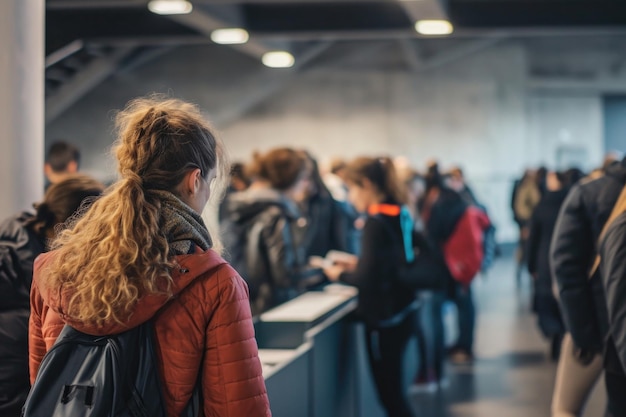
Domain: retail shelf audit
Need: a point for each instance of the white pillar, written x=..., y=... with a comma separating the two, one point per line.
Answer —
x=22, y=51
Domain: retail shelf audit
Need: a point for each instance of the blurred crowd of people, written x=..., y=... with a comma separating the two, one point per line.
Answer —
x=281, y=211
x=410, y=240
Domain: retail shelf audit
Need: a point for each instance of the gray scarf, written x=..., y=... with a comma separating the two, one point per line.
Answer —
x=182, y=226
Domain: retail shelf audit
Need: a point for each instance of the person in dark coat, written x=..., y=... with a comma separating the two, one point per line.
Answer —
x=581, y=298
x=22, y=238
x=325, y=224
x=613, y=271
x=441, y=211
x=258, y=228
x=541, y=228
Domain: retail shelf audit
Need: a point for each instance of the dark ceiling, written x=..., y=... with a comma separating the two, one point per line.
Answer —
x=118, y=21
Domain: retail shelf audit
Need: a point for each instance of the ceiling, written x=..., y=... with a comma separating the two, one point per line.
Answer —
x=123, y=21
x=89, y=40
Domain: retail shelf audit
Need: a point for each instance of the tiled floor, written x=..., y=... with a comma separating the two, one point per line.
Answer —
x=512, y=375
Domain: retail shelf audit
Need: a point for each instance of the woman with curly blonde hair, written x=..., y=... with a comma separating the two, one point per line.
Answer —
x=142, y=252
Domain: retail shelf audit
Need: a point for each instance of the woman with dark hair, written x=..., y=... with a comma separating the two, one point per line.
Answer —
x=258, y=227
x=22, y=238
x=386, y=306
x=143, y=253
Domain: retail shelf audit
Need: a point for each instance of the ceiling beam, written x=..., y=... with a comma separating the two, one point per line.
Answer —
x=94, y=4
x=457, y=53
x=596, y=86
x=84, y=81
x=412, y=53
x=424, y=9
x=206, y=24
x=270, y=84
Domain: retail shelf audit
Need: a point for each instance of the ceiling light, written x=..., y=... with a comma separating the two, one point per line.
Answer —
x=170, y=6
x=278, y=59
x=434, y=27
x=230, y=36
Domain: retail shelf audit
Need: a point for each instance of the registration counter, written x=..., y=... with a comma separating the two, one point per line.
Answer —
x=314, y=358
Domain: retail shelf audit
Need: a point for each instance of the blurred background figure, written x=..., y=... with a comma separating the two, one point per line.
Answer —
x=325, y=223
x=239, y=181
x=541, y=227
x=526, y=196
x=456, y=181
x=441, y=211
x=334, y=178
x=259, y=224
x=22, y=238
x=62, y=159
x=386, y=307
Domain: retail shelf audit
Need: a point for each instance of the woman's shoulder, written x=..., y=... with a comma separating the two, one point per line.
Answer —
x=209, y=270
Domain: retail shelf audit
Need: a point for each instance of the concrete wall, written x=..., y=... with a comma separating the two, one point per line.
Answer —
x=476, y=111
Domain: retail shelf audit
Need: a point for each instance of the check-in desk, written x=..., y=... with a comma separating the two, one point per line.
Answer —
x=314, y=359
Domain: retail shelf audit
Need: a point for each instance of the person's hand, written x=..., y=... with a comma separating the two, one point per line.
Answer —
x=348, y=265
x=333, y=272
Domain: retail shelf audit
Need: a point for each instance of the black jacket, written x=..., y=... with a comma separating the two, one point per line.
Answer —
x=541, y=227
x=327, y=226
x=573, y=250
x=613, y=272
x=19, y=247
x=380, y=295
x=444, y=214
x=259, y=242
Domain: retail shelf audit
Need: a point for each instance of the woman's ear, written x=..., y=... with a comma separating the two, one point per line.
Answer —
x=192, y=181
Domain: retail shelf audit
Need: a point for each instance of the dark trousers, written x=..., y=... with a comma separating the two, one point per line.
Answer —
x=467, y=317
x=431, y=335
x=386, y=348
x=615, y=388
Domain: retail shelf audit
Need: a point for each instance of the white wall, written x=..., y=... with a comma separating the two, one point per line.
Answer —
x=475, y=111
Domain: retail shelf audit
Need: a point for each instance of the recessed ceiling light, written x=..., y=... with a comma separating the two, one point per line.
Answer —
x=278, y=59
x=434, y=27
x=230, y=36
x=170, y=6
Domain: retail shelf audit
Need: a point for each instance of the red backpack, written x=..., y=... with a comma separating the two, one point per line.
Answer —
x=464, y=250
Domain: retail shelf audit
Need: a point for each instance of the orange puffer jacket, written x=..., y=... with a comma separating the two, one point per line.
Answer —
x=205, y=328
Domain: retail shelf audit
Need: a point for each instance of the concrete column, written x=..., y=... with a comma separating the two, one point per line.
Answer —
x=22, y=51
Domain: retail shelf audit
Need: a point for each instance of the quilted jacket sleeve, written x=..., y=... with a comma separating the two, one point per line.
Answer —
x=233, y=383
x=36, y=343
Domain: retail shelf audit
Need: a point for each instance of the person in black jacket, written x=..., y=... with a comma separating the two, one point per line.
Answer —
x=582, y=301
x=22, y=238
x=386, y=306
x=541, y=228
x=325, y=223
x=258, y=228
x=613, y=271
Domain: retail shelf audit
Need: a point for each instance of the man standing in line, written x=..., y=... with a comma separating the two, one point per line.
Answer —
x=62, y=160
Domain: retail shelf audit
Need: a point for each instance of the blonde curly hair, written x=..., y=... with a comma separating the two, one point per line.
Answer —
x=116, y=251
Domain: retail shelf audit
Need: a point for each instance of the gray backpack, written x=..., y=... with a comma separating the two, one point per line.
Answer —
x=101, y=376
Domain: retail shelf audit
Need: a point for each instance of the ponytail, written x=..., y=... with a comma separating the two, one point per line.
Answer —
x=117, y=251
